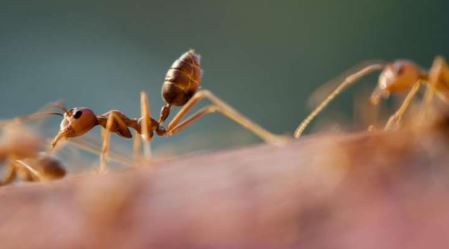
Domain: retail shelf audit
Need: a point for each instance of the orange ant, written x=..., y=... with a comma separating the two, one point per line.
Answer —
x=180, y=88
x=40, y=168
x=20, y=151
x=396, y=77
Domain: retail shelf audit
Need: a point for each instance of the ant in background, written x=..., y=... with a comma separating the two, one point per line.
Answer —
x=20, y=152
x=180, y=88
x=396, y=77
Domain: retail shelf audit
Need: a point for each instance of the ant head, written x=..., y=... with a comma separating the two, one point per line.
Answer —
x=396, y=77
x=76, y=122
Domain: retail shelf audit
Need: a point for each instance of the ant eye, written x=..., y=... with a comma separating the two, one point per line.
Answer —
x=77, y=114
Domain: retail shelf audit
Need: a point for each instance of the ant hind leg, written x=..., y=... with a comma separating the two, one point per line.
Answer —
x=176, y=125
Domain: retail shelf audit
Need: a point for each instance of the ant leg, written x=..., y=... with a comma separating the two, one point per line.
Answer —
x=190, y=120
x=112, y=122
x=34, y=173
x=106, y=143
x=10, y=175
x=352, y=78
x=395, y=119
x=225, y=109
x=438, y=72
x=92, y=145
x=146, y=124
x=137, y=146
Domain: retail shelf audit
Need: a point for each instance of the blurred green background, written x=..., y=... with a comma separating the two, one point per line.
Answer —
x=264, y=58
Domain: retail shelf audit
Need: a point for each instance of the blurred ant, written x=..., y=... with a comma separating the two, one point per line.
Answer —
x=20, y=151
x=180, y=88
x=41, y=168
x=396, y=77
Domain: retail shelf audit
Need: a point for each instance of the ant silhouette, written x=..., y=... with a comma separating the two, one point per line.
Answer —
x=180, y=88
x=396, y=77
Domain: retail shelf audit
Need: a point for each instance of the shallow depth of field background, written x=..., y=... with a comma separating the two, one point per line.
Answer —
x=263, y=57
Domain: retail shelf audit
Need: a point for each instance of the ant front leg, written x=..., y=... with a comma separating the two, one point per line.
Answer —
x=218, y=105
x=395, y=119
x=349, y=80
x=113, y=123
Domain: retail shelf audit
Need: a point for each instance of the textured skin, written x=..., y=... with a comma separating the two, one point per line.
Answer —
x=370, y=190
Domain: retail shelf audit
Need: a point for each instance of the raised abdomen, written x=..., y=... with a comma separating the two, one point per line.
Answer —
x=183, y=79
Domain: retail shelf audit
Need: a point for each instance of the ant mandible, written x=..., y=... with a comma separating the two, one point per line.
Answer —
x=396, y=77
x=180, y=88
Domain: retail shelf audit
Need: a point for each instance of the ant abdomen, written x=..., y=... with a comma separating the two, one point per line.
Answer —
x=48, y=167
x=183, y=79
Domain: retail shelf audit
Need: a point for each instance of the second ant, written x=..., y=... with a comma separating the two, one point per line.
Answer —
x=396, y=77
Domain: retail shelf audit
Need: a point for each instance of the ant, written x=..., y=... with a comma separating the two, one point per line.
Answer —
x=181, y=88
x=40, y=168
x=20, y=151
x=398, y=76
